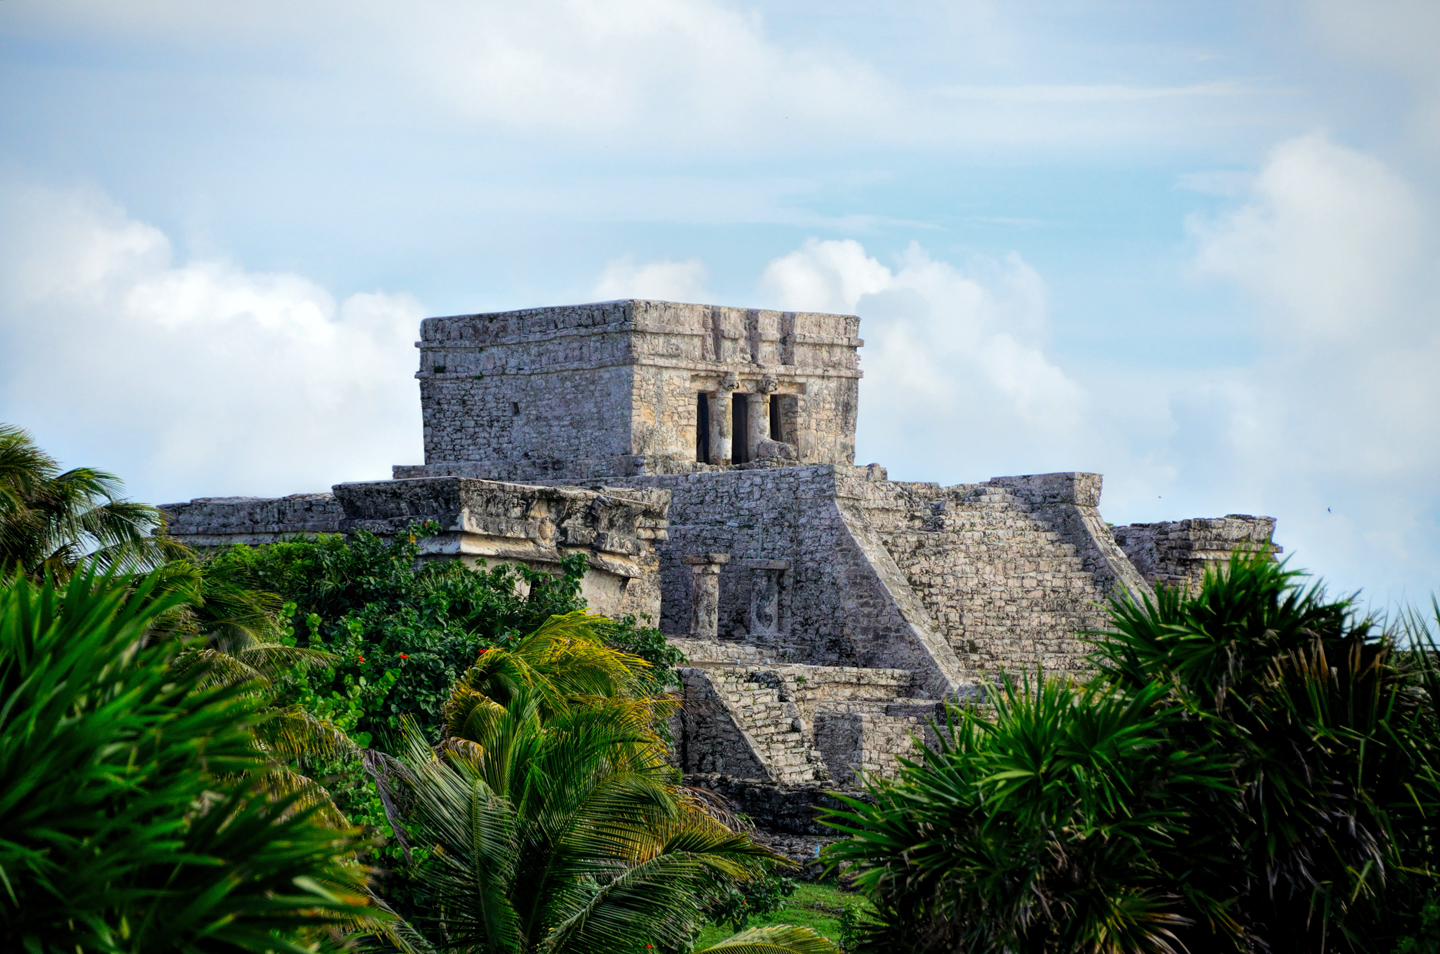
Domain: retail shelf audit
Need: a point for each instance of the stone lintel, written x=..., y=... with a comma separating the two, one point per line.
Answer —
x=765, y=564
x=702, y=559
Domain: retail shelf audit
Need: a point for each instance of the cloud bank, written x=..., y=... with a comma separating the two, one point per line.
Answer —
x=683, y=76
x=200, y=376
x=956, y=374
x=197, y=376
x=663, y=280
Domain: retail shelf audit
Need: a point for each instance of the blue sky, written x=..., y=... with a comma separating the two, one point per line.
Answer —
x=1189, y=246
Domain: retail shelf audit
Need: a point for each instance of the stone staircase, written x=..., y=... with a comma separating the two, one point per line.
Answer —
x=750, y=715
x=1005, y=585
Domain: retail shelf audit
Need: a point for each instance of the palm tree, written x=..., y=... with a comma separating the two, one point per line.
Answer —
x=549, y=821
x=1050, y=827
x=1256, y=767
x=51, y=521
x=233, y=638
x=129, y=818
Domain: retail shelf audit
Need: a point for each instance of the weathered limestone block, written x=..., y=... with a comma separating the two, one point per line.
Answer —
x=705, y=593
x=712, y=738
x=791, y=722
x=765, y=584
x=720, y=424
x=1010, y=572
x=791, y=808
x=758, y=416
x=221, y=521
x=856, y=743
x=1178, y=552
x=842, y=601
x=766, y=449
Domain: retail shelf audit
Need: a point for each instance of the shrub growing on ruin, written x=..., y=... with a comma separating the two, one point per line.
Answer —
x=402, y=631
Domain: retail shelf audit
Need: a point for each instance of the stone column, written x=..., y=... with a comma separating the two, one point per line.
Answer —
x=765, y=596
x=759, y=423
x=719, y=426
x=705, y=593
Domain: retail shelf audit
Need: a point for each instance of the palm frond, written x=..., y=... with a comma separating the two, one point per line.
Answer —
x=134, y=813
x=778, y=939
x=291, y=732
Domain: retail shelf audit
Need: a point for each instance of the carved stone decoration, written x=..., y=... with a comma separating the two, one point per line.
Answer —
x=765, y=596
x=767, y=449
x=705, y=593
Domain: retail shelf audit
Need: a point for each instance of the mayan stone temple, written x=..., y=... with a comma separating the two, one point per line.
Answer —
x=703, y=459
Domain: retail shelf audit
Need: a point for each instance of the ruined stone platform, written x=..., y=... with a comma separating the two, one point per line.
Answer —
x=702, y=459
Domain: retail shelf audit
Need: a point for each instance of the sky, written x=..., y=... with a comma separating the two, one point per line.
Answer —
x=1189, y=246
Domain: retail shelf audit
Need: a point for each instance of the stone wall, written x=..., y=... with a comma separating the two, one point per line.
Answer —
x=1178, y=552
x=614, y=389
x=951, y=583
x=221, y=521
x=749, y=717
x=479, y=521
x=791, y=809
x=838, y=598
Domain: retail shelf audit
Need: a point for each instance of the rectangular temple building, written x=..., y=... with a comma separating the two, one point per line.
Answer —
x=625, y=388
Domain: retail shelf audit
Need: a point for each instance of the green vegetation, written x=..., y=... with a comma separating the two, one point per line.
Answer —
x=399, y=631
x=50, y=520
x=132, y=818
x=819, y=907
x=156, y=731
x=186, y=743
x=551, y=820
x=386, y=636
x=1252, y=768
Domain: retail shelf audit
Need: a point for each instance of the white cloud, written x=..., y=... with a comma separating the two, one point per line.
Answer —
x=195, y=378
x=694, y=69
x=1337, y=426
x=663, y=280
x=957, y=383
x=1326, y=239
x=1332, y=424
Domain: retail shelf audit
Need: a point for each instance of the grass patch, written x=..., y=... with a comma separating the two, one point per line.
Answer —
x=816, y=906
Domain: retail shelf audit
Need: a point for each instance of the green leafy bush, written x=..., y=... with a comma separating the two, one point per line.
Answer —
x=549, y=820
x=402, y=630
x=1427, y=938
x=1254, y=768
x=736, y=902
x=130, y=814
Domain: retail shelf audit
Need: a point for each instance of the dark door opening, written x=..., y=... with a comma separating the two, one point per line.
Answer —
x=702, y=429
x=739, y=429
x=776, y=425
